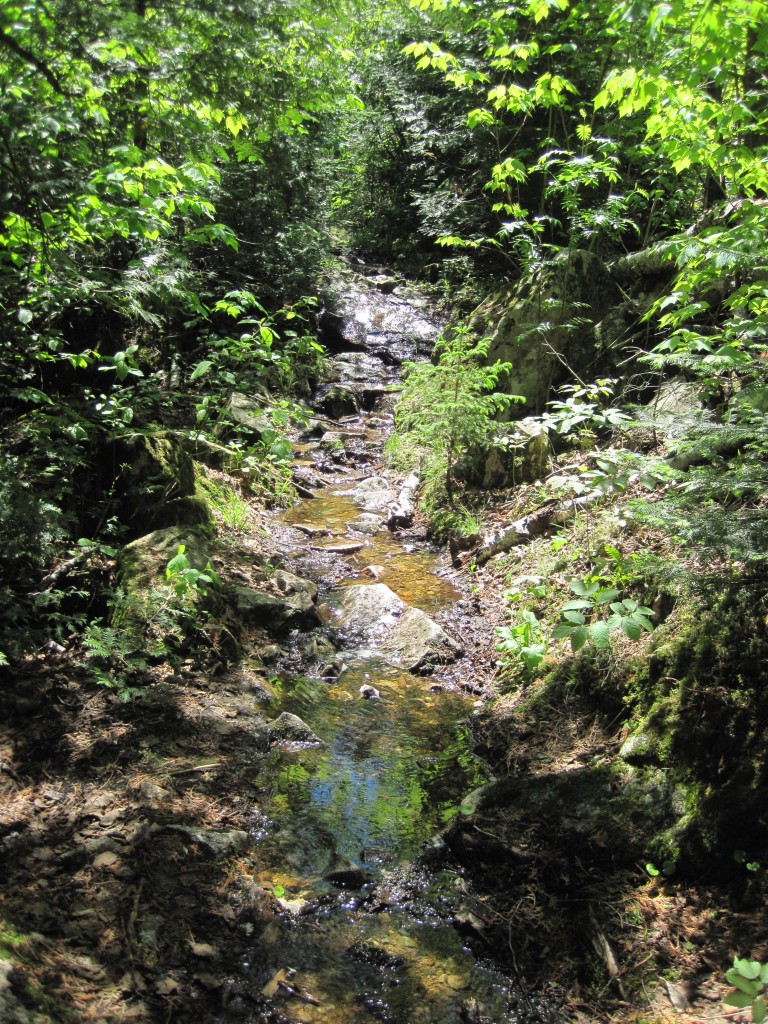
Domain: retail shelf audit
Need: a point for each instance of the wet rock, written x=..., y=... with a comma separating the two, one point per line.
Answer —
x=383, y=282
x=378, y=422
x=368, y=611
x=220, y=844
x=374, y=571
x=289, y=604
x=312, y=531
x=375, y=494
x=368, y=523
x=345, y=873
x=407, y=637
x=339, y=401
x=473, y=800
x=318, y=647
x=290, y=728
x=468, y=923
x=340, y=547
x=418, y=644
x=369, y=692
x=333, y=669
x=313, y=430
x=304, y=477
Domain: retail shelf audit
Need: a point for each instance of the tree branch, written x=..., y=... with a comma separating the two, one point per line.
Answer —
x=10, y=43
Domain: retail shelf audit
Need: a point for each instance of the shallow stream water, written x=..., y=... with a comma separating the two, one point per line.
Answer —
x=388, y=778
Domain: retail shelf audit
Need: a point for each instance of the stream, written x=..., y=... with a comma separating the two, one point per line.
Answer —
x=349, y=834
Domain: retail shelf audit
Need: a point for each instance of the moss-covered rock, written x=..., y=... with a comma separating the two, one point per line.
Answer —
x=550, y=322
x=156, y=484
x=147, y=605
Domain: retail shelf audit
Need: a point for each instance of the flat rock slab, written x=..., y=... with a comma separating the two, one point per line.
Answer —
x=341, y=547
x=405, y=636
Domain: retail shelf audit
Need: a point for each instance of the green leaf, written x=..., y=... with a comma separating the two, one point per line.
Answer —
x=579, y=638
x=631, y=629
x=758, y=1011
x=575, y=617
x=201, y=369
x=562, y=631
x=749, y=969
x=751, y=988
x=606, y=596
x=584, y=589
x=738, y=999
x=25, y=316
x=600, y=634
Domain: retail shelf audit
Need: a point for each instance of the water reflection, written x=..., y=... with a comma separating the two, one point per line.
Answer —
x=389, y=773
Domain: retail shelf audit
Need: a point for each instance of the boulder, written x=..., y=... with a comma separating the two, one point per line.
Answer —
x=345, y=873
x=367, y=611
x=339, y=401
x=288, y=604
x=405, y=636
x=548, y=326
x=248, y=413
x=374, y=494
x=156, y=487
x=677, y=407
x=288, y=728
x=368, y=523
x=418, y=644
x=524, y=457
x=142, y=567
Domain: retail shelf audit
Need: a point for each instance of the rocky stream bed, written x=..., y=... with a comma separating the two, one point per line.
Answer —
x=295, y=825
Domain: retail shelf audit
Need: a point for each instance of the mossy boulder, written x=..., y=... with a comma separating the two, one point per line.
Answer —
x=282, y=601
x=142, y=567
x=156, y=485
x=339, y=401
x=555, y=322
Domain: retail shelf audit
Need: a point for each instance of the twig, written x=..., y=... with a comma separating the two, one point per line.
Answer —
x=195, y=768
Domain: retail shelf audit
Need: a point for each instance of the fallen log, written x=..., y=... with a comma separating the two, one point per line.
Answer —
x=402, y=513
x=551, y=514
